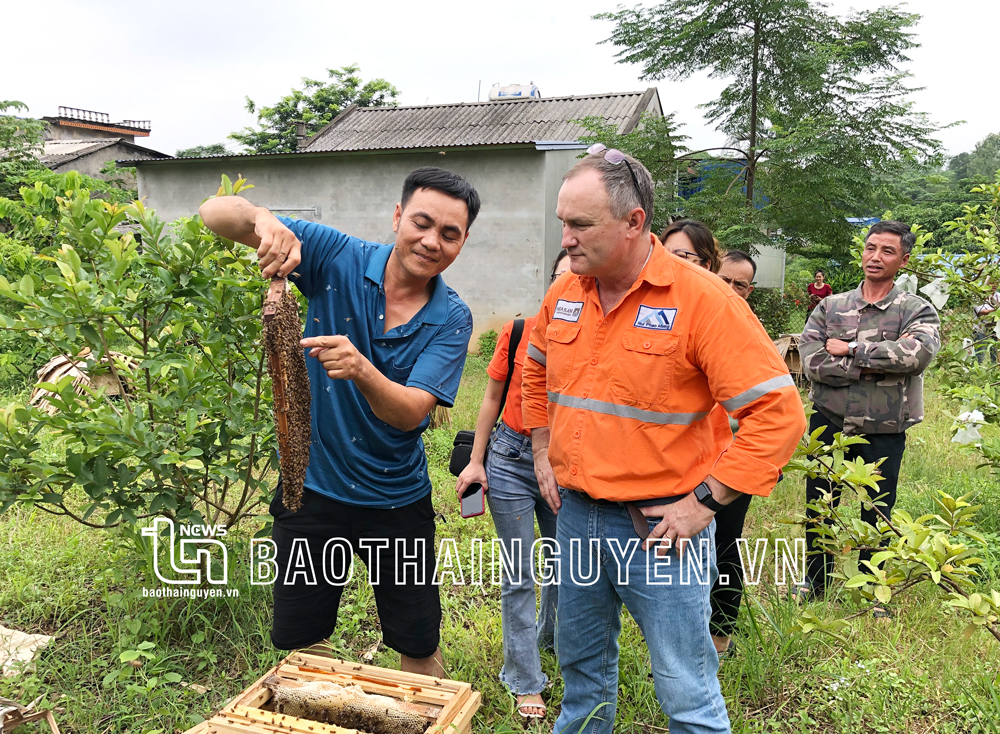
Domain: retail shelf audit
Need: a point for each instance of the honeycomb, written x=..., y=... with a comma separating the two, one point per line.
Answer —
x=286, y=364
x=346, y=706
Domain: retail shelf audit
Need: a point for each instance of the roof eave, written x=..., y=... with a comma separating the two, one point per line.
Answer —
x=338, y=153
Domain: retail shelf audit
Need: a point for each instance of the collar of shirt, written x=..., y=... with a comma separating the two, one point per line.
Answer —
x=882, y=305
x=436, y=310
x=658, y=270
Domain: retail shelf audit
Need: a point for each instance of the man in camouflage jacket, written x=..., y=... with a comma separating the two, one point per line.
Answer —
x=865, y=352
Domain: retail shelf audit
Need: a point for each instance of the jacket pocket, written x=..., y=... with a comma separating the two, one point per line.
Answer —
x=563, y=343
x=843, y=326
x=645, y=366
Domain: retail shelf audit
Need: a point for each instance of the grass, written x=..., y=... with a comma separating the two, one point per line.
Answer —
x=915, y=674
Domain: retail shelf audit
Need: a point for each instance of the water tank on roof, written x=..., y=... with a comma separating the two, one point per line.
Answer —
x=514, y=91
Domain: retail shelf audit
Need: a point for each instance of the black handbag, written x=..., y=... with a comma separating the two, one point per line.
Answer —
x=461, y=452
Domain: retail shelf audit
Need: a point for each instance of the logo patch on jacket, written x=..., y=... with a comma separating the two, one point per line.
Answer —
x=568, y=310
x=658, y=319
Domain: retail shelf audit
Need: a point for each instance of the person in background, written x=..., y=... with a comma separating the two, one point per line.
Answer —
x=694, y=242
x=507, y=472
x=983, y=347
x=865, y=352
x=818, y=290
x=737, y=271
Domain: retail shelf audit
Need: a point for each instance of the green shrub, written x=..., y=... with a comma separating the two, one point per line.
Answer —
x=486, y=344
x=773, y=308
x=191, y=435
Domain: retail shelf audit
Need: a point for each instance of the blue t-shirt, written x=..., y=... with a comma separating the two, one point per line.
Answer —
x=355, y=457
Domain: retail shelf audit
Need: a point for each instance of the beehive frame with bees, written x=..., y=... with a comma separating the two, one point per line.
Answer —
x=447, y=705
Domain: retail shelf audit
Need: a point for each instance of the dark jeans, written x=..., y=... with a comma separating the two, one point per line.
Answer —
x=987, y=350
x=726, y=597
x=887, y=445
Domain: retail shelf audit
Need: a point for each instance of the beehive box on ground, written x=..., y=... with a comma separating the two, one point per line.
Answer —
x=788, y=347
x=448, y=705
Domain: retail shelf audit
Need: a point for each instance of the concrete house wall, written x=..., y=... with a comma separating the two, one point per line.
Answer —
x=503, y=268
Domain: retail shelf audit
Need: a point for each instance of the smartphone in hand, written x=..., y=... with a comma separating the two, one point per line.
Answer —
x=473, y=500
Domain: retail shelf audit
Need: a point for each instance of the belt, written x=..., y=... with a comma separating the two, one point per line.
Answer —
x=639, y=523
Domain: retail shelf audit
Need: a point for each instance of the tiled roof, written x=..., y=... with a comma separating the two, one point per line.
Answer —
x=479, y=123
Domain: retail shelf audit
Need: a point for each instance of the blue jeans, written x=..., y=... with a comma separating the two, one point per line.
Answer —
x=673, y=618
x=515, y=501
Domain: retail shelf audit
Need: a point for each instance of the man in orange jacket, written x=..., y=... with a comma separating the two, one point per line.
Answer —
x=630, y=352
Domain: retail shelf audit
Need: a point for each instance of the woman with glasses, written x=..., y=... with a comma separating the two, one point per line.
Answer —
x=507, y=472
x=694, y=242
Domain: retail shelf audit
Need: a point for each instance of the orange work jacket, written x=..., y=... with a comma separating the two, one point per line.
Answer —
x=627, y=395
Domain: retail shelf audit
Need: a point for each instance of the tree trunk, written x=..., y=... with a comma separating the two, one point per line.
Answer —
x=752, y=149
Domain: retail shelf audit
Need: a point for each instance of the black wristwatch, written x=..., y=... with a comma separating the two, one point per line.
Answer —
x=704, y=494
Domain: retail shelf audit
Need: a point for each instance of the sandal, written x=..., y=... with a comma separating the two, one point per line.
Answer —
x=538, y=706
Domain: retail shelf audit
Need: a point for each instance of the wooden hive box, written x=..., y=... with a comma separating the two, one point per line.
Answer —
x=788, y=347
x=450, y=705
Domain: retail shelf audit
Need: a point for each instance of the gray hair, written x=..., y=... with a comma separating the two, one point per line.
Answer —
x=621, y=190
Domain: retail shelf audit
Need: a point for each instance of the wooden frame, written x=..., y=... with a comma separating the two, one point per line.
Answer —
x=449, y=704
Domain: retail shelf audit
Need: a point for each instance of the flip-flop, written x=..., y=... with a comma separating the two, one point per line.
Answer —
x=531, y=705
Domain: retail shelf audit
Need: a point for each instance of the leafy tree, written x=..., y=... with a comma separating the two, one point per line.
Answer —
x=20, y=145
x=815, y=111
x=203, y=150
x=979, y=164
x=970, y=276
x=656, y=143
x=315, y=105
x=190, y=437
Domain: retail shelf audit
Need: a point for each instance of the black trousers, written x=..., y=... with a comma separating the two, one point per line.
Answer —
x=726, y=597
x=889, y=446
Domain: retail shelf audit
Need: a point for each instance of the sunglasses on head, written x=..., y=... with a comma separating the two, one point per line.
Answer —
x=615, y=157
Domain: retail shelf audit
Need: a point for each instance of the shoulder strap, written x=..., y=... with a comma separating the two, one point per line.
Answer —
x=515, y=340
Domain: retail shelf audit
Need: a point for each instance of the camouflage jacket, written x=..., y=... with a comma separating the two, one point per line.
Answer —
x=897, y=339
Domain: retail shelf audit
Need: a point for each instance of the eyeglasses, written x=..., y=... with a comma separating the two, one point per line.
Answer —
x=615, y=157
x=688, y=255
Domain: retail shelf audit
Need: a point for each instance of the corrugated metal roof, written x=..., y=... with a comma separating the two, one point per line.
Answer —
x=479, y=123
x=59, y=152
x=507, y=122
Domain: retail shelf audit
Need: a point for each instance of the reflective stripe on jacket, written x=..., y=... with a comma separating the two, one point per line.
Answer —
x=627, y=396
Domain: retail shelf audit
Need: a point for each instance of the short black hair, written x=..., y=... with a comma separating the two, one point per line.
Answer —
x=741, y=257
x=818, y=272
x=448, y=183
x=906, y=238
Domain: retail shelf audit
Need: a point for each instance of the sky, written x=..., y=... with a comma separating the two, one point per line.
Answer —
x=187, y=66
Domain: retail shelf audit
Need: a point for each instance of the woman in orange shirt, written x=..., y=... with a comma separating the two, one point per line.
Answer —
x=508, y=475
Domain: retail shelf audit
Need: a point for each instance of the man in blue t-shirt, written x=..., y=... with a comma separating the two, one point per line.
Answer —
x=387, y=340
